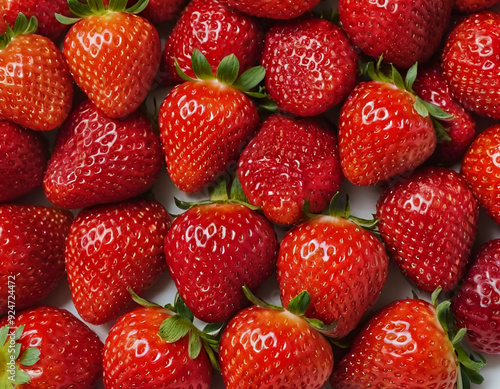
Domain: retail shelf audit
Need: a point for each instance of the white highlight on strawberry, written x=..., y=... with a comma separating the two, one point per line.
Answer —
x=202, y=235
x=399, y=335
x=93, y=42
x=486, y=288
x=483, y=46
x=96, y=237
x=257, y=340
x=371, y=114
x=310, y=248
x=12, y=69
x=495, y=157
x=209, y=33
x=188, y=108
x=387, y=4
x=418, y=203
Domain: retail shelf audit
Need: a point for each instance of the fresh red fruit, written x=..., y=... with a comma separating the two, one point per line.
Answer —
x=217, y=31
x=37, y=88
x=470, y=63
x=274, y=9
x=470, y=6
x=311, y=65
x=31, y=254
x=475, y=302
x=403, y=32
x=23, y=158
x=205, y=122
x=288, y=162
x=428, y=223
x=99, y=160
x=341, y=265
x=57, y=350
x=111, y=248
x=134, y=350
x=402, y=346
x=481, y=168
x=158, y=11
x=113, y=55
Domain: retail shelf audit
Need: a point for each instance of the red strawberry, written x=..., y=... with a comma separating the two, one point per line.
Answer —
x=37, y=88
x=475, y=302
x=158, y=11
x=274, y=9
x=481, y=168
x=288, y=162
x=23, y=157
x=217, y=31
x=31, y=253
x=340, y=264
x=205, y=122
x=403, y=32
x=428, y=223
x=113, y=54
x=57, y=350
x=470, y=63
x=213, y=249
x=310, y=65
x=99, y=160
x=111, y=248
x=470, y=6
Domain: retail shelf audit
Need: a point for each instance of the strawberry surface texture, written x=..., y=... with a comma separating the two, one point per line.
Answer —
x=219, y=194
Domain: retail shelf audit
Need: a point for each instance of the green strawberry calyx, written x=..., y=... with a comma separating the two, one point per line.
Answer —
x=96, y=7
x=22, y=26
x=11, y=359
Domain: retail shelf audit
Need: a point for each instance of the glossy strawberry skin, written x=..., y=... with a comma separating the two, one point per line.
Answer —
x=381, y=135
x=474, y=304
x=341, y=265
x=37, y=88
x=470, y=63
x=311, y=66
x=133, y=351
x=217, y=31
x=404, y=32
x=23, y=158
x=480, y=168
x=70, y=352
x=288, y=161
x=99, y=160
x=428, y=223
x=32, y=252
x=402, y=346
x=470, y=6
x=264, y=347
x=158, y=11
x=273, y=9
x=115, y=69
x=213, y=250
x=203, y=128
x=111, y=248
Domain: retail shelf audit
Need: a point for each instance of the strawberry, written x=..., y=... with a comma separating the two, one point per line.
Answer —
x=310, y=64
x=342, y=266
x=111, y=248
x=112, y=53
x=213, y=249
x=480, y=167
x=217, y=31
x=32, y=253
x=23, y=158
x=470, y=6
x=274, y=9
x=99, y=160
x=37, y=88
x=475, y=302
x=403, y=32
x=55, y=348
x=266, y=346
x=470, y=63
x=431, y=86
x=205, y=122
x=158, y=11
x=288, y=162
x=428, y=223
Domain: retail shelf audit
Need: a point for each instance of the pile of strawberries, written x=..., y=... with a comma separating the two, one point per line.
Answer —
x=205, y=150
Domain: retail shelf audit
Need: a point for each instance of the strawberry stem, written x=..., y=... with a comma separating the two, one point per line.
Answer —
x=96, y=7
x=21, y=26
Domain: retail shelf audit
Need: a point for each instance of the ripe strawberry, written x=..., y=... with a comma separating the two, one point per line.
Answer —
x=340, y=264
x=99, y=160
x=205, y=122
x=470, y=63
x=111, y=248
x=403, y=32
x=217, y=31
x=213, y=249
x=37, y=88
x=481, y=168
x=23, y=158
x=158, y=11
x=56, y=350
x=310, y=64
x=274, y=9
x=470, y=6
x=31, y=253
x=288, y=162
x=428, y=223
x=113, y=54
